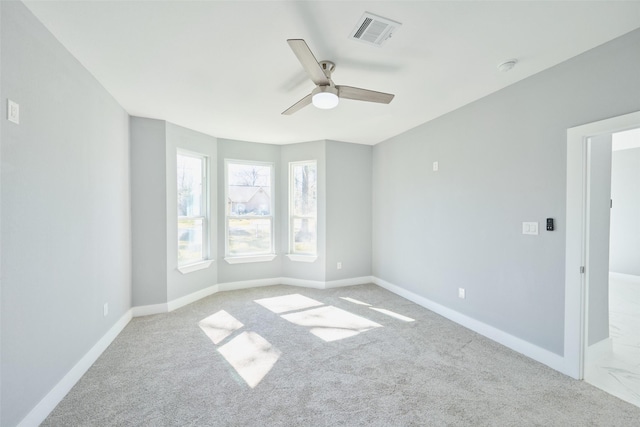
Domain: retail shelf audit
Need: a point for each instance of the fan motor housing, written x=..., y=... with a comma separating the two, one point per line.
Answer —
x=328, y=67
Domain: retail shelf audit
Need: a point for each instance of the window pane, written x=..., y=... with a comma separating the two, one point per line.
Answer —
x=304, y=236
x=190, y=232
x=304, y=190
x=303, y=208
x=248, y=189
x=190, y=185
x=249, y=236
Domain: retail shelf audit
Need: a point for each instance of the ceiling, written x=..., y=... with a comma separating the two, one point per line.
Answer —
x=224, y=68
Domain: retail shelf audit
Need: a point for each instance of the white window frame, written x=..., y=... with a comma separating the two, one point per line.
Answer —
x=293, y=255
x=256, y=257
x=205, y=215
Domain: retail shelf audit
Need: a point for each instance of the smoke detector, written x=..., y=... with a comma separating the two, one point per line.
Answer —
x=373, y=29
x=507, y=65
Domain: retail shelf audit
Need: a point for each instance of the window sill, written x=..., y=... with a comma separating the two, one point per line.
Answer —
x=252, y=258
x=185, y=269
x=302, y=258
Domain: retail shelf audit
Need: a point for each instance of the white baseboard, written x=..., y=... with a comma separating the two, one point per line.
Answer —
x=246, y=284
x=193, y=297
x=146, y=310
x=316, y=284
x=625, y=277
x=539, y=354
x=40, y=412
x=348, y=282
x=303, y=283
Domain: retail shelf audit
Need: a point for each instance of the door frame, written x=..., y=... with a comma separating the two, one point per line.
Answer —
x=577, y=222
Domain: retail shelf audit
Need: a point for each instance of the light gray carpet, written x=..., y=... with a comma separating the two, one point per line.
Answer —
x=164, y=370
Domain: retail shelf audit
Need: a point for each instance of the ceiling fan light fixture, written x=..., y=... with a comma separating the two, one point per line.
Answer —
x=326, y=94
x=325, y=97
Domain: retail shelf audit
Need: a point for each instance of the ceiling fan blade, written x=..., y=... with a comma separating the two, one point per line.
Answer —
x=298, y=105
x=349, y=92
x=308, y=61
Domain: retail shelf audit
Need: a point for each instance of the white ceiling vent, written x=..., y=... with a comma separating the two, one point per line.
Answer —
x=373, y=29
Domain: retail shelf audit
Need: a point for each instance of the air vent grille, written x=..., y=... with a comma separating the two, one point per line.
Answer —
x=373, y=29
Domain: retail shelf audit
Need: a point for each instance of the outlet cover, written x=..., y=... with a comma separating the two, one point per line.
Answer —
x=105, y=309
x=339, y=266
x=13, y=111
x=461, y=293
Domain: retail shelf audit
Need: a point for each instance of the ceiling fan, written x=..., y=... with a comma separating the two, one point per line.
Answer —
x=326, y=93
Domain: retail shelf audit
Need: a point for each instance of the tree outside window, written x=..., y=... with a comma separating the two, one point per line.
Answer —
x=249, y=208
x=303, y=208
x=193, y=222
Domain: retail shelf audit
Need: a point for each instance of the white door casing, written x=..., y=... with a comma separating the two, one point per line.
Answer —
x=577, y=223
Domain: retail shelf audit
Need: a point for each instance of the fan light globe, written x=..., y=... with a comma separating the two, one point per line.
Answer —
x=325, y=100
x=325, y=97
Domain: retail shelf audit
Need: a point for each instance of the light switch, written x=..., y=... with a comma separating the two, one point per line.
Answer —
x=530, y=228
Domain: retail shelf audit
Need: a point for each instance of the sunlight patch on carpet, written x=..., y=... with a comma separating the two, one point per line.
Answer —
x=251, y=356
x=219, y=326
x=331, y=323
x=393, y=314
x=288, y=303
x=355, y=301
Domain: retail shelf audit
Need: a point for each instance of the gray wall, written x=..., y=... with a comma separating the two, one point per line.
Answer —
x=625, y=215
x=599, y=212
x=502, y=161
x=65, y=213
x=154, y=145
x=315, y=150
x=348, y=210
x=239, y=150
x=148, y=211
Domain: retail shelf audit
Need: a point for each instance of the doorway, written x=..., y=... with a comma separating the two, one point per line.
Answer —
x=589, y=337
x=612, y=353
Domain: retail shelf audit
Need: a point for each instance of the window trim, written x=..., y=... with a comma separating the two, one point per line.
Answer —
x=205, y=216
x=292, y=255
x=255, y=257
x=302, y=258
x=200, y=265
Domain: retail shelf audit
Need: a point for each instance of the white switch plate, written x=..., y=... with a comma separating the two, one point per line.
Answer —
x=13, y=112
x=435, y=166
x=339, y=266
x=461, y=293
x=530, y=228
x=105, y=309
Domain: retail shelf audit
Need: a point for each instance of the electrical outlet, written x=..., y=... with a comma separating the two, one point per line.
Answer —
x=339, y=266
x=105, y=309
x=435, y=166
x=13, y=111
x=461, y=293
